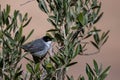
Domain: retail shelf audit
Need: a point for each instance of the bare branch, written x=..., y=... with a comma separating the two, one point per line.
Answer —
x=26, y=2
x=88, y=54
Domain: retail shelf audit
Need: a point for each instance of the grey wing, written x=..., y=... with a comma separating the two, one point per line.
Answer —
x=35, y=46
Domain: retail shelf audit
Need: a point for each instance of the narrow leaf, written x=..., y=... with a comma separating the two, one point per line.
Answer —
x=37, y=67
x=53, y=30
x=95, y=45
x=25, y=17
x=96, y=38
x=105, y=40
x=104, y=34
x=70, y=64
x=54, y=61
x=105, y=73
x=52, y=22
x=98, y=18
x=96, y=67
x=88, y=68
x=27, y=22
x=43, y=6
x=81, y=18
x=29, y=68
x=31, y=32
x=89, y=72
x=28, y=58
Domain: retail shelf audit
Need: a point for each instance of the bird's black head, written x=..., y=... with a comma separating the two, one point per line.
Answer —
x=47, y=38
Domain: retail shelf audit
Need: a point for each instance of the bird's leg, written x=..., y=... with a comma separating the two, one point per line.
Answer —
x=36, y=59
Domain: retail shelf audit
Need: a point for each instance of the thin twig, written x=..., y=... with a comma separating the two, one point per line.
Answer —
x=26, y=2
x=88, y=54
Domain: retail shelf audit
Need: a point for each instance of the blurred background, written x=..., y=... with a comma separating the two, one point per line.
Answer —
x=109, y=54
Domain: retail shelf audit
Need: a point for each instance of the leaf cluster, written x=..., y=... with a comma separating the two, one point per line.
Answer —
x=11, y=38
x=73, y=24
x=97, y=73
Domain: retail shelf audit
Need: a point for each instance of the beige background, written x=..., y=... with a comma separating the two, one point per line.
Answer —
x=109, y=54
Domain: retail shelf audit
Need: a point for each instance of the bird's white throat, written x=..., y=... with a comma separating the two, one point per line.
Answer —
x=48, y=43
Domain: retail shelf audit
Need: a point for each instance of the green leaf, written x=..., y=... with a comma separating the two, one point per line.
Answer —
x=95, y=7
x=57, y=18
x=98, y=18
x=77, y=50
x=89, y=70
x=81, y=48
x=29, y=68
x=49, y=65
x=52, y=22
x=54, y=61
x=104, y=35
x=37, y=1
x=1, y=35
x=22, y=40
x=106, y=70
x=104, y=73
x=98, y=10
x=48, y=34
x=58, y=36
x=8, y=27
x=87, y=1
x=37, y=67
x=94, y=31
x=6, y=14
x=71, y=64
x=17, y=75
x=9, y=37
x=69, y=36
x=28, y=58
x=105, y=40
x=89, y=35
x=74, y=27
x=95, y=45
x=16, y=36
x=25, y=17
x=96, y=38
x=19, y=68
x=53, y=30
x=20, y=33
x=27, y=22
x=69, y=78
x=67, y=30
x=20, y=17
x=16, y=12
x=31, y=32
x=1, y=63
x=81, y=18
x=61, y=59
x=58, y=4
x=43, y=6
x=6, y=44
x=82, y=78
x=96, y=69
x=52, y=17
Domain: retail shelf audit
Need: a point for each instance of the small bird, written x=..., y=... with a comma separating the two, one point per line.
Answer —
x=38, y=48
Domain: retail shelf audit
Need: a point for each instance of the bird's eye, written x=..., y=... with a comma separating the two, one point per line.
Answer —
x=48, y=39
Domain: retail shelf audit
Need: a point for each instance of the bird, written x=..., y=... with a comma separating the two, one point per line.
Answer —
x=38, y=48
